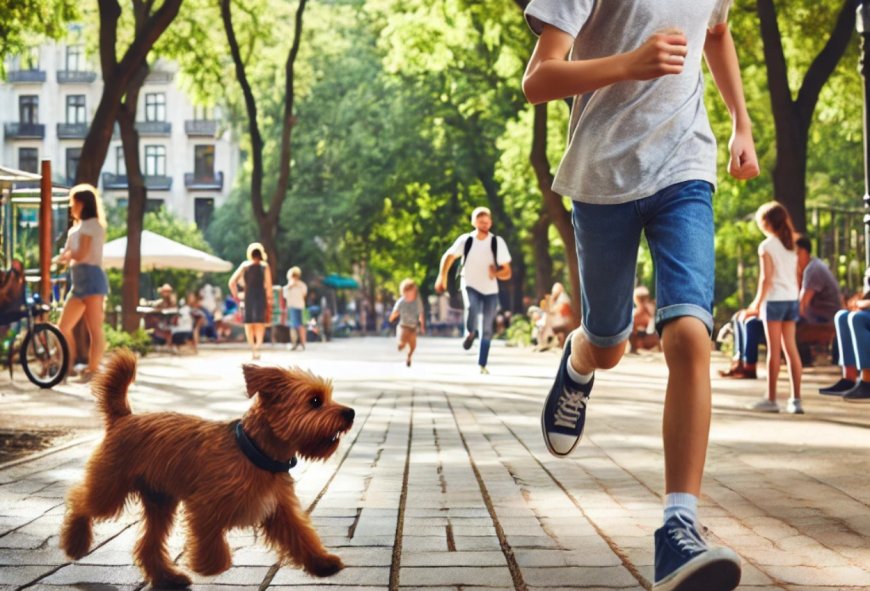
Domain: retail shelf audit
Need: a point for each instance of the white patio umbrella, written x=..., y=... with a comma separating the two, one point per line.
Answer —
x=159, y=252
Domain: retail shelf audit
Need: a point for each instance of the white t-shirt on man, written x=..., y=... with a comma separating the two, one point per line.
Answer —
x=294, y=294
x=475, y=273
x=90, y=227
x=785, y=270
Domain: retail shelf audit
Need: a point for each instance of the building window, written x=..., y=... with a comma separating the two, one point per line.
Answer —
x=28, y=108
x=203, y=162
x=75, y=108
x=202, y=113
x=152, y=205
x=73, y=155
x=28, y=159
x=155, y=106
x=155, y=160
x=203, y=208
x=120, y=163
x=74, y=61
x=30, y=59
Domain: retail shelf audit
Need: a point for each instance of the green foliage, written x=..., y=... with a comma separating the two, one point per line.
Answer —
x=24, y=24
x=519, y=333
x=138, y=341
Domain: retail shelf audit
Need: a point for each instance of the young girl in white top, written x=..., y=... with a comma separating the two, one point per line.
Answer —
x=84, y=253
x=777, y=303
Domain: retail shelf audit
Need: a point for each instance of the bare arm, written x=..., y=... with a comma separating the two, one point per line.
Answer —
x=503, y=273
x=765, y=282
x=806, y=298
x=446, y=263
x=721, y=56
x=233, y=283
x=551, y=76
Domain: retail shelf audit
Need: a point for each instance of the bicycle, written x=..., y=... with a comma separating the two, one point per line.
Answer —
x=42, y=349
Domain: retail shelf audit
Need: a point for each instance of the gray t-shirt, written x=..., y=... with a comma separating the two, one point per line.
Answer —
x=631, y=139
x=409, y=312
x=826, y=292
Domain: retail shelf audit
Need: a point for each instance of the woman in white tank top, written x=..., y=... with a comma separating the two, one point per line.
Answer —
x=777, y=303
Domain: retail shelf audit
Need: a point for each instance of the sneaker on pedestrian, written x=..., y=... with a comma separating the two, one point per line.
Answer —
x=763, y=405
x=483, y=370
x=684, y=561
x=839, y=388
x=469, y=340
x=564, y=414
x=860, y=393
x=794, y=407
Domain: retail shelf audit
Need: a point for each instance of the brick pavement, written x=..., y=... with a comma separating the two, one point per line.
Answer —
x=444, y=482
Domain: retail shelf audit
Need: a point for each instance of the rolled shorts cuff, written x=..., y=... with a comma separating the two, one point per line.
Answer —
x=606, y=342
x=668, y=313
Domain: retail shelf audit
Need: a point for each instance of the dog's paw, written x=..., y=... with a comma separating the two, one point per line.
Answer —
x=171, y=580
x=76, y=537
x=324, y=566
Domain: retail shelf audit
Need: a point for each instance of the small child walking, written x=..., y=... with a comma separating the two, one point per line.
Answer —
x=409, y=312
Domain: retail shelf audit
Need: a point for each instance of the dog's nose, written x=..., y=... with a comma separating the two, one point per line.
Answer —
x=348, y=414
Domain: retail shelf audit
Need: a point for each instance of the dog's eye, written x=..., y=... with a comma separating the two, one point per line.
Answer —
x=316, y=402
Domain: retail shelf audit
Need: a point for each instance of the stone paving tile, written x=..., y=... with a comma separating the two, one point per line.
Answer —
x=460, y=575
x=76, y=574
x=349, y=576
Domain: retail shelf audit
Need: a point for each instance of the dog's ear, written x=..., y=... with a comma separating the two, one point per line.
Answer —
x=265, y=380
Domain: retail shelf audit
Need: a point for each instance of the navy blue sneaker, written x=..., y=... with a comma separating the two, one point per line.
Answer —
x=839, y=388
x=860, y=393
x=684, y=561
x=564, y=414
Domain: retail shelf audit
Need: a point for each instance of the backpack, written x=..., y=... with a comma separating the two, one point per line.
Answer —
x=453, y=280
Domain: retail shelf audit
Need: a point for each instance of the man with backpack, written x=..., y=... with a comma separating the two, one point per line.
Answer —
x=485, y=260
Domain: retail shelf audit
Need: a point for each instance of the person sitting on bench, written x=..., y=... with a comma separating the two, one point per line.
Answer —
x=853, y=340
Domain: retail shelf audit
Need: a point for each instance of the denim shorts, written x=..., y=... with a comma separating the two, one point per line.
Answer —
x=678, y=224
x=88, y=280
x=780, y=311
x=294, y=319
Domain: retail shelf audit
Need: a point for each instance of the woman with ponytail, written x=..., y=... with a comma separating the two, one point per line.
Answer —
x=776, y=303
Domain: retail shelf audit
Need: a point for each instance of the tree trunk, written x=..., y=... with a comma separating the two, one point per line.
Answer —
x=267, y=220
x=136, y=200
x=543, y=260
x=793, y=117
x=559, y=216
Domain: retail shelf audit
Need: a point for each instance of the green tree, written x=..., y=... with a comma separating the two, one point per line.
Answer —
x=24, y=21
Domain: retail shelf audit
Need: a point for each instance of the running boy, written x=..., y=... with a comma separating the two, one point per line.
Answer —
x=409, y=311
x=642, y=157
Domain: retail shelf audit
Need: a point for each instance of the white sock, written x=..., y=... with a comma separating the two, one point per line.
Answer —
x=578, y=378
x=684, y=504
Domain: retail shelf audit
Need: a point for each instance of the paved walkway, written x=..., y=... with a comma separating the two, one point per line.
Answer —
x=444, y=482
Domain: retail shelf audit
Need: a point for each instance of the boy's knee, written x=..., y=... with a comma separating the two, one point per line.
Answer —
x=600, y=357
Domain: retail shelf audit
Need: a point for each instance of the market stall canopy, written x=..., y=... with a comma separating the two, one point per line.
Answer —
x=337, y=281
x=11, y=175
x=159, y=252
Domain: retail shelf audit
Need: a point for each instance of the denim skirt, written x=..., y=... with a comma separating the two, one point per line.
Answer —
x=88, y=280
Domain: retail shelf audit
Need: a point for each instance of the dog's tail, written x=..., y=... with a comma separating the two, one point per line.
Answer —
x=111, y=384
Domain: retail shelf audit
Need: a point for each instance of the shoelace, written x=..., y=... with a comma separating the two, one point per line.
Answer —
x=568, y=410
x=687, y=538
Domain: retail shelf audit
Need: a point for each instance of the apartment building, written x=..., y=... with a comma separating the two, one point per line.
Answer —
x=188, y=157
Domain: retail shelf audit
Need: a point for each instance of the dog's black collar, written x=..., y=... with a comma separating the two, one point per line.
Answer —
x=257, y=457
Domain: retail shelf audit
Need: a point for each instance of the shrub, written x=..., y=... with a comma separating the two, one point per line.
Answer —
x=519, y=333
x=138, y=341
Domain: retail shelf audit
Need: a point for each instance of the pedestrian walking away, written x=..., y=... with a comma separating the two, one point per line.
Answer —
x=409, y=312
x=256, y=278
x=641, y=158
x=90, y=286
x=295, y=293
x=484, y=261
x=776, y=303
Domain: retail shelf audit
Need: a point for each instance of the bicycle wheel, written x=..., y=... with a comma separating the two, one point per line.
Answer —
x=44, y=355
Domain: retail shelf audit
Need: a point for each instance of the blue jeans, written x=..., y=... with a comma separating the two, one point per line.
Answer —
x=853, y=338
x=678, y=223
x=476, y=304
x=747, y=335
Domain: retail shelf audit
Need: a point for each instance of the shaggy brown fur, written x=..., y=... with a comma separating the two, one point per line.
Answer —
x=165, y=458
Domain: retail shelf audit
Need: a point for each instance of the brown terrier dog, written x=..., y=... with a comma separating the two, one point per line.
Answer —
x=228, y=474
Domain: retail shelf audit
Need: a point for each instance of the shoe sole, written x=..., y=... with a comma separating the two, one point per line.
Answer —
x=832, y=393
x=715, y=570
x=857, y=400
x=565, y=356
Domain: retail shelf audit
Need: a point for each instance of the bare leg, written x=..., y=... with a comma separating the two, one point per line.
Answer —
x=792, y=358
x=73, y=310
x=773, y=330
x=249, y=336
x=586, y=357
x=94, y=320
x=686, y=423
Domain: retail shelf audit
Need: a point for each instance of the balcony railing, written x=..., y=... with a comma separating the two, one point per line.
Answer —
x=25, y=131
x=201, y=127
x=154, y=128
x=159, y=77
x=195, y=182
x=27, y=76
x=75, y=77
x=153, y=182
x=67, y=131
